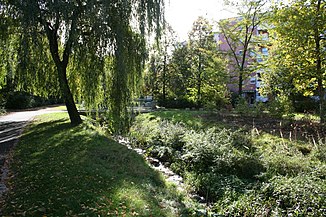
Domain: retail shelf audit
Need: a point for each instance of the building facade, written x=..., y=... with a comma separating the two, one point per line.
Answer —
x=256, y=53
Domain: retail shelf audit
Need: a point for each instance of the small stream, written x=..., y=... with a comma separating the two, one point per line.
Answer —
x=155, y=163
x=169, y=175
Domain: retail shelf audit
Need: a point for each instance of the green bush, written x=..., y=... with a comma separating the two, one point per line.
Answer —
x=282, y=157
x=177, y=103
x=205, y=154
x=281, y=196
x=241, y=174
x=280, y=106
x=161, y=139
x=220, y=151
x=23, y=100
x=320, y=152
x=242, y=107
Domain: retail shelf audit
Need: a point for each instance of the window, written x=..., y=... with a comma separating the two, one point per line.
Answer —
x=252, y=53
x=264, y=51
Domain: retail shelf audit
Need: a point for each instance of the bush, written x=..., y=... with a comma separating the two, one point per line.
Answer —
x=205, y=154
x=282, y=157
x=219, y=151
x=305, y=104
x=161, y=139
x=280, y=106
x=242, y=107
x=177, y=103
x=23, y=100
x=243, y=175
x=281, y=196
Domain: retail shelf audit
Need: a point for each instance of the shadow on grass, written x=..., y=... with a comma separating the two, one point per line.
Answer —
x=61, y=170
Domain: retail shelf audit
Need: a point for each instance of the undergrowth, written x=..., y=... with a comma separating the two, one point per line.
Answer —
x=240, y=173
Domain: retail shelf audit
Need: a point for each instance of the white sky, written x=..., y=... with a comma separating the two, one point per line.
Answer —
x=181, y=14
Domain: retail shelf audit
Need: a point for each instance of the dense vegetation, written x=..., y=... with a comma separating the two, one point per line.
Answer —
x=79, y=50
x=241, y=171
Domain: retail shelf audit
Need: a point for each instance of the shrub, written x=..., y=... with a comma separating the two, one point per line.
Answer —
x=23, y=100
x=257, y=175
x=280, y=106
x=282, y=157
x=162, y=139
x=320, y=152
x=220, y=151
x=178, y=103
x=281, y=196
x=242, y=107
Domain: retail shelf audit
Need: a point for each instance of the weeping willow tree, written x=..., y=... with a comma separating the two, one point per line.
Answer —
x=90, y=50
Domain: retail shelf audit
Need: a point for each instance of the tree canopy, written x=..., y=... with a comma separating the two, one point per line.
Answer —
x=208, y=70
x=87, y=48
x=297, y=62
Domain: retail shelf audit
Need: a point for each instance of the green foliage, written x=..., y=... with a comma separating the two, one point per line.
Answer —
x=202, y=155
x=281, y=196
x=194, y=74
x=244, y=109
x=240, y=174
x=23, y=100
x=69, y=43
x=297, y=63
x=280, y=106
x=160, y=78
x=238, y=34
x=208, y=77
x=62, y=170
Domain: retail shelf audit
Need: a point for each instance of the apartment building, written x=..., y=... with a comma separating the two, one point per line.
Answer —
x=257, y=52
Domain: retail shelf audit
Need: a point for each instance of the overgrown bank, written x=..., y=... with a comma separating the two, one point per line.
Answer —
x=239, y=172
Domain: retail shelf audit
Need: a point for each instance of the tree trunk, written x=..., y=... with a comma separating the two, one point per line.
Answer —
x=240, y=83
x=321, y=89
x=164, y=80
x=68, y=98
x=199, y=81
x=321, y=93
x=199, y=92
x=62, y=69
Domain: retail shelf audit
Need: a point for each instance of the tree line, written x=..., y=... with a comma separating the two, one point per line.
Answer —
x=198, y=72
x=97, y=52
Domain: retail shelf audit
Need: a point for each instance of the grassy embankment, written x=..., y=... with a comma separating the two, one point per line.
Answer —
x=60, y=170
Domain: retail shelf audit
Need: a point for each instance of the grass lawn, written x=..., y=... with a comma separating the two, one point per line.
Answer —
x=193, y=119
x=60, y=170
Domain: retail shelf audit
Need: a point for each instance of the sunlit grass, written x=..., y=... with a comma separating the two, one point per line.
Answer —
x=193, y=119
x=307, y=117
x=59, y=108
x=60, y=170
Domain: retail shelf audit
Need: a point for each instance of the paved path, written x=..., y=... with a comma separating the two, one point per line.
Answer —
x=11, y=127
